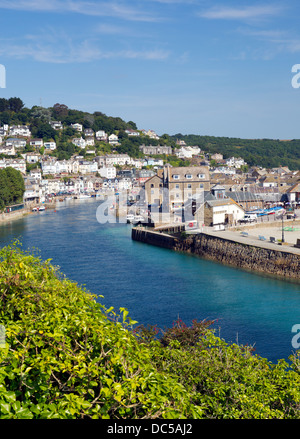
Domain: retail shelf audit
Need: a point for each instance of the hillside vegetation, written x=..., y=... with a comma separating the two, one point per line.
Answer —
x=66, y=356
x=267, y=153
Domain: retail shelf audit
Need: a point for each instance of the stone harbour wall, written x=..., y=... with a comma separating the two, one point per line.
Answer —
x=278, y=263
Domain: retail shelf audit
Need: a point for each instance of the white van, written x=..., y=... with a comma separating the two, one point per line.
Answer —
x=249, y=218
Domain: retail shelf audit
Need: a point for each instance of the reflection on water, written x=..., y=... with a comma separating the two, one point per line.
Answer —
x=158, y=285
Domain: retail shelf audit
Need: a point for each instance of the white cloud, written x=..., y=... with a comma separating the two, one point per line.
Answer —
x=93, y=8
x=61, y=49
x=240, y=13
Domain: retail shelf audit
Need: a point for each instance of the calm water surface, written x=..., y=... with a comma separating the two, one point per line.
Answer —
x=158, y=285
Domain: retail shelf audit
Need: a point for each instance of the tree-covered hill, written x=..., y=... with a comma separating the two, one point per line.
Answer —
x=63, y=355
x=268, y=153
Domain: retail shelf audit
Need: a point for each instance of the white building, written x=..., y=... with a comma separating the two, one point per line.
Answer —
x=113, y=139
x=132, y=133
x=16, y=142
x=19, y=130
x=18, y=164
x=77, y=126
x=101, y=136
x=7, y=150
x=32, y=157
x=36, y=173
x=36, y=143
x=56, y=125
x=88, y=167
x=50, y=146
x=234, y=162
x=117, y=159
x=187, y=152
x=49, y=167
x=80, y=142
x=108, y=172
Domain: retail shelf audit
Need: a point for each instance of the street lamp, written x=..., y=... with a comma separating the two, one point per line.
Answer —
x=282, y=240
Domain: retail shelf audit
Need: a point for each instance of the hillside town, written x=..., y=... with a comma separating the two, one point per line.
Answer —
x=228, y=187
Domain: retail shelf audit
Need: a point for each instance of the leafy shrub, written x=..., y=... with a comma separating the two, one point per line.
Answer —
x=67, y=356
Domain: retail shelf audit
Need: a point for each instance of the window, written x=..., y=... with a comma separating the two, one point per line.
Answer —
x=175, y=176
x=201, y=175
x=189, y=176
x=177, y=186
x=201, y=186
x=189, y=186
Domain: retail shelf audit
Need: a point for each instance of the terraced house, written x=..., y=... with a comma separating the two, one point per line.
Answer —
x=174, y=186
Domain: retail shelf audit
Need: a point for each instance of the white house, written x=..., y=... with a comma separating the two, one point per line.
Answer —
x=50, y=146
x=77, y=126
x=101, y=136
x=187, y=152
x=32, y=157
x=87, y=167
x=36, y=143
x=117, y=159
x=56, y=125
x=16, y=142
x=152, y=134
x=36, y=173
x=7, y=150
x=79, y=142
x=19, y=130
x=18, y=164
x=235, y=162
x=49, y=167
x=113, y=139
x=133, y=133
x=108, y=172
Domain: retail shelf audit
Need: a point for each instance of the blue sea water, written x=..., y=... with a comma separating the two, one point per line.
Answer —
x=158, y=285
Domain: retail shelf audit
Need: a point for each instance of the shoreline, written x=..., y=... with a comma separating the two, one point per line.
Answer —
x=239, y=252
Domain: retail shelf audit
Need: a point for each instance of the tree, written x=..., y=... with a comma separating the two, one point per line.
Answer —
x=12, y=187
x=60, y=111
x=15, y=104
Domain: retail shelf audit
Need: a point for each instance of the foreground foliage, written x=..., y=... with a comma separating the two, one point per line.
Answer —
x=66, y=356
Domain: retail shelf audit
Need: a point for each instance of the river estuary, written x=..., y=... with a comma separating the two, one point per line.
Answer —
x=157, y=285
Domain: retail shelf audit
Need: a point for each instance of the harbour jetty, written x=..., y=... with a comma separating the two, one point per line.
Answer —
x=236, y=249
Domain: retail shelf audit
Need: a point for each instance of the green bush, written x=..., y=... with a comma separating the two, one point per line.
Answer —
x=67, y=356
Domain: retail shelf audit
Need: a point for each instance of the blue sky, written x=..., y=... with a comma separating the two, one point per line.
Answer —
x=220, y=68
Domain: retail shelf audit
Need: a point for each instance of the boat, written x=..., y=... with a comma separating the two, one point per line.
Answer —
x=82, y=196
x=130, y=218
x=41, y=208
x=138, y=219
